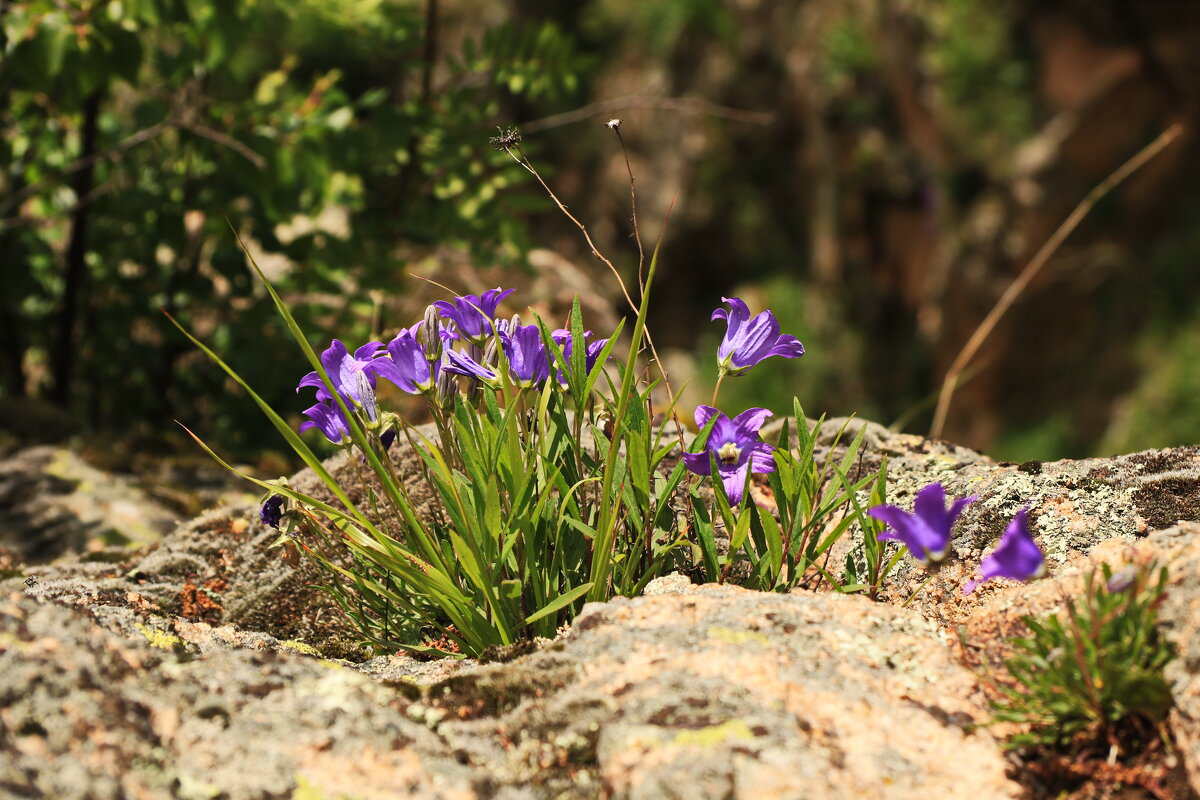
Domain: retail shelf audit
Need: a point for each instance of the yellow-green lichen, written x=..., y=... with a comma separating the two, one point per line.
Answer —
x=307, y=791
x=300, y=647
x=160, y=639
x=731, y=636
x=714, y=735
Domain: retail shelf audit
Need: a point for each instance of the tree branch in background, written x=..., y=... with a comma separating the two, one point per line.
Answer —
x=76, y=262
x=84, y=162
x=1022, y=281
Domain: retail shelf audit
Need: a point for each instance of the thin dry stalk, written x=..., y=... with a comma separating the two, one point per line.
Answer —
x=1022, y=281
x=520, y=157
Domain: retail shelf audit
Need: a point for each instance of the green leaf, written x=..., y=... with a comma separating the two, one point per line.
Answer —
x=559, y=602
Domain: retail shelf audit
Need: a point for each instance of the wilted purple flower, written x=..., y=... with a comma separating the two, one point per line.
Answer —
x=342, y=368
x=736, y=446
x=473, y=314
x=526, y=353
x=272, y=511
x=926, y=531
x=748, y=341
x=1016, y=557
x=329, y=419
x=460, y=363
x=407, y=365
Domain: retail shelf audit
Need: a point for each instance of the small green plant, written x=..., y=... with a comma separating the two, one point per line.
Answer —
x=553, y=483
x=1096, y=670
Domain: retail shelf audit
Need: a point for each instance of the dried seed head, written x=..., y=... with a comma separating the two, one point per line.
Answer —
x=613, y=124
x=507, y=139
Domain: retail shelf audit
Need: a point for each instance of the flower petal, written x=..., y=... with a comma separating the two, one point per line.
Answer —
x=703, y=414
x=787, y=346
x=747, y=423
x=734, y=481
x=698, y=463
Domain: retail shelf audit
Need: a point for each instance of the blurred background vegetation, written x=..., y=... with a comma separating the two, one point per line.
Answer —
x=875, y=171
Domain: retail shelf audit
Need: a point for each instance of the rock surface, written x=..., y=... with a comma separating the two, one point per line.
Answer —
x=711, y=692
x=206, y=666
x=52, y=503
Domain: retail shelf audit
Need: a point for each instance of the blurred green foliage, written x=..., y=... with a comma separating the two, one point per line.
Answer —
x=131, y=129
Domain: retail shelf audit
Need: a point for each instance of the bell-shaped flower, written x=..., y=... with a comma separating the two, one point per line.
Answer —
x=562, y=337
x=926, y=531
x=473, y=314
x=329, y=419
x=342, y=367
x=1017, y=557
x=528, y=361
x=749, y=340
x=736, y=447
x=407, y=365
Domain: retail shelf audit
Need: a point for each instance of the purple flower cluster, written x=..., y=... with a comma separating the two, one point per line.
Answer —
x=461, y=337
x=926, y=534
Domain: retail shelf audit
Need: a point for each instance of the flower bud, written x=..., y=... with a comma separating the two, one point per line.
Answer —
x=367, y=392
x=430, y=334
x=491, y=354
x=447, y=388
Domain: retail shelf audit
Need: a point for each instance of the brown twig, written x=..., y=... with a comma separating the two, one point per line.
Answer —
x=1022, y=281
x=523, y=160
x=685, y=105
x=615, y=126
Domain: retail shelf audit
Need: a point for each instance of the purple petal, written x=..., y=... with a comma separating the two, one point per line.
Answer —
x=747, y=423
x=787, y=346
x=698, y=463
x=924, y=542
x=461, y=364
x=755, y=339
x=762, y=458
x=703, y=414
x=369, y=350
x=526, y=353
x=314, y=380
x=930, y=505
x=1017, y=556
x=734, y=480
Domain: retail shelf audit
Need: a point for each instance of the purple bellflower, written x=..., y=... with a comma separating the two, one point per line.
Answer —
x=562, y=338
x=926, y=531
x=407, y=366
x=528, y=361
x=272, y=511
x=342, y=368
x=472, y=314
x=329, y=419
x=1016, y=557
x=748, y=341
x=735, y=445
